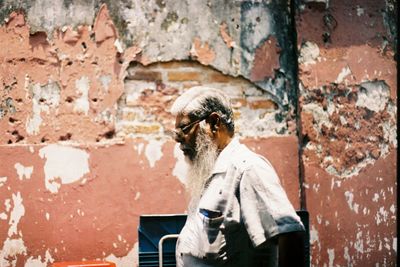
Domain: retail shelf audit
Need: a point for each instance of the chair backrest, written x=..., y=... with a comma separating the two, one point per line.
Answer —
x=152, y=228
x=305, y=219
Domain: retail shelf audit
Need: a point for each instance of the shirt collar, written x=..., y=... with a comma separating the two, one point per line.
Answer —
x=225, y=157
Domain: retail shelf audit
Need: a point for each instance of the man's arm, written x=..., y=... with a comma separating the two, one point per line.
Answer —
x=291, y=249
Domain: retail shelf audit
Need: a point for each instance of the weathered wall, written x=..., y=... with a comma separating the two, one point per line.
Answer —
x=348, y=94
x=85, y=143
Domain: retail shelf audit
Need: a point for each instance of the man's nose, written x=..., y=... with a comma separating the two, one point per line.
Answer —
x=178, y=137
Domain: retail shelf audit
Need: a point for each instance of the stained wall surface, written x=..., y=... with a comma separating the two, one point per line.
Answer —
x=85, y=144
x=348, y=114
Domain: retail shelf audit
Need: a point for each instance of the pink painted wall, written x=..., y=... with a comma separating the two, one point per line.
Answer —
x=348, y=82
x=84, y=144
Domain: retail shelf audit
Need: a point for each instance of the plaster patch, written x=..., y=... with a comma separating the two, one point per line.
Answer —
x=349, y=197
x=37, y=262
x=118, y=46
x=139, y=148
x=373, y=96
x=395, y=244
x=82, y=103
x=134, y=90
x=43, y=98
x=346, y=256
x=381, y=216
x=105, y=82
x=320, y=116
x=137, y=195
x=3, y=216
x=131, y=259
x=360, y=11
x=11, y=248
x=393, y=209
x=331, y=254
x=259, y=123
x=314, y=237
x=181, y=167
x=3, y=180
x=68, y=164
x=33, y=123
x=153, y=152
x=16, y=214
x=309, y=52
x=23, y=171
x=7, y=203
x=359, y=244
x=343, y=74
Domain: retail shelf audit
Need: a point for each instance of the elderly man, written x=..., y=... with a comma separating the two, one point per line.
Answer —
x=239, y=214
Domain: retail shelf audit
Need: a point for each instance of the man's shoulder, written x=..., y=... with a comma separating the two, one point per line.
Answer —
x=245, y=158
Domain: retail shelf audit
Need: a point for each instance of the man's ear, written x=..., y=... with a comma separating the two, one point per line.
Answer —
x=215, y=121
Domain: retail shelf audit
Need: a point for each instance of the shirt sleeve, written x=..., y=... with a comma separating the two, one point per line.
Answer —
x=265, y=208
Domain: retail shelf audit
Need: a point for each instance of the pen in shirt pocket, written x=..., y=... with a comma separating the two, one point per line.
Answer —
x=210, y=213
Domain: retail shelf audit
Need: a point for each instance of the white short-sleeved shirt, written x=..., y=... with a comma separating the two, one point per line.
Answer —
x=243, y=206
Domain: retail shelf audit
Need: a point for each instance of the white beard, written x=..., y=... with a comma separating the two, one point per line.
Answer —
x=201, y=167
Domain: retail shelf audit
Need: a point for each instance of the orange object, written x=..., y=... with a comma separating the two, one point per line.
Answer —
x=83, y=264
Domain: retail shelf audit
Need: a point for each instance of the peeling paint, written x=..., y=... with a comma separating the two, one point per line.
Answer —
x=137, y=196
x=37, y=262
x=105, y=82
x=346, y=256
x=131, y=259
x=313, y=235
x=359, y=242
x=7, y=203
x=373, y=96
x=23, y=171
x=381, y=216
x=82, y=103
x=64, y=165
x=16, y=214
x=343, y=74
x=3, y=180
x=43, y=98
x=309, y=53
x=181, y=167
x=360, y=11
x=153, y=152
x=331, y=255
x=202, y=52
x=261, y=123
x=11, y=249
x=350, y=197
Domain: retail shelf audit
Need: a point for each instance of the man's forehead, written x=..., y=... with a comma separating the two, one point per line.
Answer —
x=182, y=119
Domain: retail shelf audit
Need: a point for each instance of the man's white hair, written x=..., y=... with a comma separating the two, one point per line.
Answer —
x=201, y=101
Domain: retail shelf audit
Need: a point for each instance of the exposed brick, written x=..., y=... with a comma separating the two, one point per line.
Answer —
x=262, y=104
x=178, y=64
x=219, y=78
x=141, y=129
x=145, y=75
x=238, y=102
x=129, y=115
x=236, y=115
x=187, y=85
x=183, y=76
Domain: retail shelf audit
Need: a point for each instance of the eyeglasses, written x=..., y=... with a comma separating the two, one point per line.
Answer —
x=186, y=129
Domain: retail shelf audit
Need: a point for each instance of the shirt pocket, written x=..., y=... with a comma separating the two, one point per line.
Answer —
x=211, y=241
